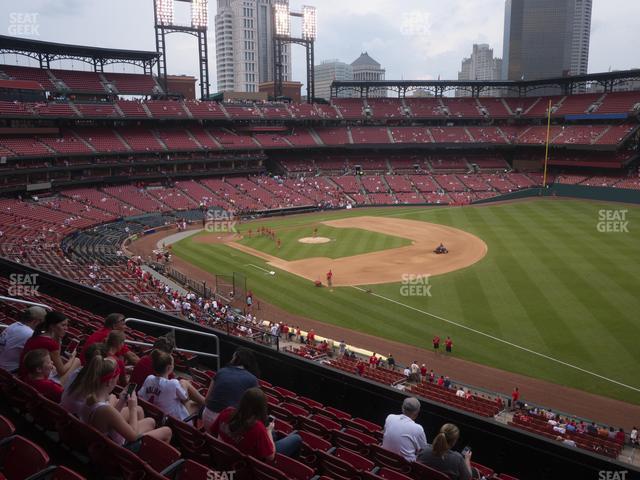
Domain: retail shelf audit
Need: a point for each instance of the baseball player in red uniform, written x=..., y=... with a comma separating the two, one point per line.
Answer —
x=329, y=278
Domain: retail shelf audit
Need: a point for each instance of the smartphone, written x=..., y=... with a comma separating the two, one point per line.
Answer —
x=131, y=388
x=270, y=419
x=72, y=345
x=465, y=450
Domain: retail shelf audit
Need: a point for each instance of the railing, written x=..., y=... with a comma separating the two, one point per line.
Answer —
x=180, y=329
x=25, y=302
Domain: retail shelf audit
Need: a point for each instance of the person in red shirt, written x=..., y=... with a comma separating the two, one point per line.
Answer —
x=432, y=376
x=311, y=337
x=113, y=321
x=441, y=381
x=48, y=336
x=144, y=367
x=39, y=366
x=360, y=367
x=515, y=396
x=373, y=360
x=114, y=343
x=448, y=344
x=436, y=343
x=423, y=373
x=329, y=278
x=249, y=429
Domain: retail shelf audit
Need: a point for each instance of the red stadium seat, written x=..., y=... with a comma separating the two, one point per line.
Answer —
x=6, y=427
x=56, y=472
x=20, y=457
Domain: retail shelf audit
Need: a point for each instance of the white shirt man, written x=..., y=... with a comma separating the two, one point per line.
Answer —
x=13, y=338
x=402, y=434
x=460, y=393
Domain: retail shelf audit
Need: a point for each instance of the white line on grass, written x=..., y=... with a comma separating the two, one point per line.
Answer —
x=255, y=266
x=498, y=339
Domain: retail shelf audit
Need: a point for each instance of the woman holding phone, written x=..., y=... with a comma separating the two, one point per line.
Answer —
x=250, y=429
x=439, y=455
x=99, y=380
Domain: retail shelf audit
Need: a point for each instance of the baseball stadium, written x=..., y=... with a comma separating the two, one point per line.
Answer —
x=480, y=254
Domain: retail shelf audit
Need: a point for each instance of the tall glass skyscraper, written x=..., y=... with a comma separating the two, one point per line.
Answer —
x=545, y=38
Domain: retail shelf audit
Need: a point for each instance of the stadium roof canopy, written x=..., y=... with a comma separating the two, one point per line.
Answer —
x=568, y=85
x=46, y=52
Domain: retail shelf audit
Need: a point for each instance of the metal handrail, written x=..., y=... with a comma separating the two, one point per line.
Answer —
x=185, y=350
x=25, y=302
x=181, y=329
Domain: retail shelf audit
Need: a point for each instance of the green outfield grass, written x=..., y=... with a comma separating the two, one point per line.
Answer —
x=551, y=283
x=345, y=242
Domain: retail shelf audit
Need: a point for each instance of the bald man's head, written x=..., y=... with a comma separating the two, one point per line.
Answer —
x=33, y=316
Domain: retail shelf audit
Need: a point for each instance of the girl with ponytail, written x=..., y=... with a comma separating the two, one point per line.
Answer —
x=439, y=455
x=97, y=382
x=48, y=335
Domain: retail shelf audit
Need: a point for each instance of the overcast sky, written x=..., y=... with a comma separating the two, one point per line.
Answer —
x=412, y=39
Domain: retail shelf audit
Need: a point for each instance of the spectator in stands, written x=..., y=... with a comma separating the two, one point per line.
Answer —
x=48, y=335
x=113, y=321
x=229, y=384
x=114, y=343
x=39, y=366
x=144, y=367
x=515, y=397
x=460, y=393
x=620, y=436
x=415, y=372
x=99, y=381
x=169, y=395
x=249, y=429
x=439, y=455
x=566, y=441
x=391, y=362
x=402, y=434
x=72, y=397
x=592, y=429
x=13, y=338
x=633, y=436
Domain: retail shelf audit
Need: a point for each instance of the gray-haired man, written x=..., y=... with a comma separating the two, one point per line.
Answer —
x=402, y=434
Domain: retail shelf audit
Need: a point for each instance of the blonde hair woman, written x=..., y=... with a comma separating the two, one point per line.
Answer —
x=99, y=380
x=439, y=455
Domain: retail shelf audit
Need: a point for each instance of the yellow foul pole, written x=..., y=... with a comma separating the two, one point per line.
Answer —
x=546, y=150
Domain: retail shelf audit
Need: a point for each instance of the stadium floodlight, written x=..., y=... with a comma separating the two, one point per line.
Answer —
x=164, y=12
x=309, y=23
x=199, y=13
x=282, y=19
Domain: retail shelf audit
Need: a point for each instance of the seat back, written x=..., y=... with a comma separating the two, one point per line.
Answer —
x=191, y=442
x=20, y=458
x=192, y=470
x=264, y=471
x=131, y=466
x=158, y=454
x=224, y=456
x=46, y=413
x=6, y=427
x=386, y=458
x=385, y=473
x=336, y=468
x=293, y=469
x=64, y=473
x=420, y=471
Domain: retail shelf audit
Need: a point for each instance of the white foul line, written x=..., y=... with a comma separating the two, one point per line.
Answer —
x=255, y=266
x=499, y=339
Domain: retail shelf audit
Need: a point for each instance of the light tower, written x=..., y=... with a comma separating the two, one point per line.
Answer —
x=282, y=28
x=164, y=24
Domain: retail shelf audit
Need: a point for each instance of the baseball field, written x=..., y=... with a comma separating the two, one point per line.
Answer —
x=544, y=288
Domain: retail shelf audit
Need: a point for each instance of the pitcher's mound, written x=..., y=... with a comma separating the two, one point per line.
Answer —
x=314, y=240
